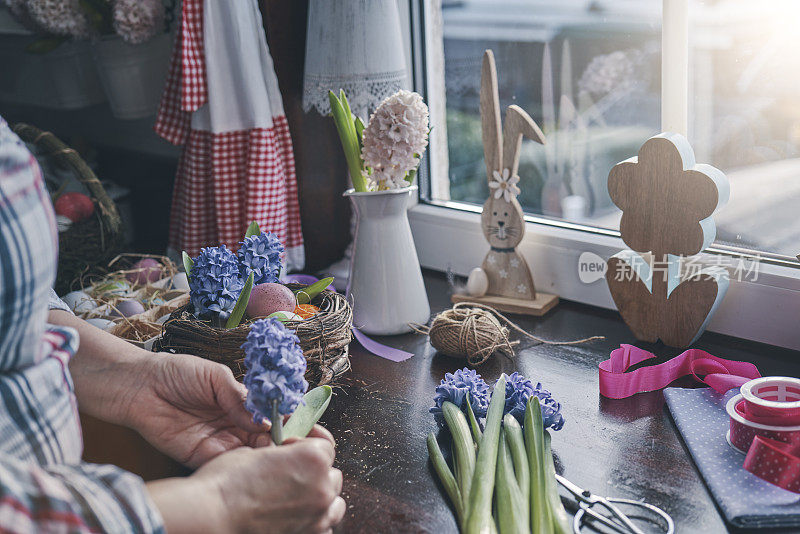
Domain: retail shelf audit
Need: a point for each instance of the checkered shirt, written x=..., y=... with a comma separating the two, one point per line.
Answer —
x=44, y=485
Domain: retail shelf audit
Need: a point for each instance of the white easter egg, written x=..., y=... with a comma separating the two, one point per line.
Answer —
x=477, y=283
x=102, y=324
x=179, y=281
x=284, y=316
x=79, y=302
x=63, y=223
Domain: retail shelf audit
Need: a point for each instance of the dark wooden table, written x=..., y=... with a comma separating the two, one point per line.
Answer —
x=622, y=448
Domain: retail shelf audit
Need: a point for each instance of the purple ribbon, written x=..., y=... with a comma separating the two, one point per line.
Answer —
x=378, y=349
x=395, y=355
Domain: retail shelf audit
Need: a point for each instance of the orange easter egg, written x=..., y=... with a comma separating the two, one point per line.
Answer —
x=306, y=310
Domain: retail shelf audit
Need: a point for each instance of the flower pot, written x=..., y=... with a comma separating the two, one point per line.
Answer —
x=73, y=77
x=386, y=287
x=132, y=75
x=64, y=78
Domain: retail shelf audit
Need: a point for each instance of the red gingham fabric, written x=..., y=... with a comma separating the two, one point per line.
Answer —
x=224, y=180
x=185, y=89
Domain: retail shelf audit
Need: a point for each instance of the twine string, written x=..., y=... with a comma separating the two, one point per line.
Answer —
x=476, y=331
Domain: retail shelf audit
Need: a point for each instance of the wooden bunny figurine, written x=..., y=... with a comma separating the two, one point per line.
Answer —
x=508, y=281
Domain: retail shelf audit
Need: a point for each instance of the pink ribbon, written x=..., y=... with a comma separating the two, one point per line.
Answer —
x=617, y=383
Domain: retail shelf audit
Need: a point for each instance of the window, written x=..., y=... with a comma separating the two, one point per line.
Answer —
x=589, y=73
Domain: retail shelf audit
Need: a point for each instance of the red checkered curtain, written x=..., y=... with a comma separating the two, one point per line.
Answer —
x=221, y=102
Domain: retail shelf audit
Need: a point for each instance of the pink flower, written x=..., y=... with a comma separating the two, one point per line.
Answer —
x=394, y=140
x=137, y=21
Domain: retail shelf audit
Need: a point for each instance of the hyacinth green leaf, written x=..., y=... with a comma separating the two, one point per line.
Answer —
x=561, y=519
x=188, y=263
x=238, y=310
x=315, y=402
x=360, y=131
x=445, y=476
x=511, y=508
x=479, y=511
x=473, y=423
x=463, y=448
x=252, y=230
x=540, y=516
x=306, y=294
x=516, y=445
x=353, y=137
x=346, y=130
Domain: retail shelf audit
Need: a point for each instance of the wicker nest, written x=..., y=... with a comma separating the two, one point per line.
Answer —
x=324, y=338
x=86, y=244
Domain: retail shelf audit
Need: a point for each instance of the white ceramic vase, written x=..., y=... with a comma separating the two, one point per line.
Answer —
x=386, y=287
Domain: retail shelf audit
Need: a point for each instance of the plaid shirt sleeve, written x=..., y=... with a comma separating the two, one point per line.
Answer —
x=56, y=303
x=73, y=498
x=44, y=485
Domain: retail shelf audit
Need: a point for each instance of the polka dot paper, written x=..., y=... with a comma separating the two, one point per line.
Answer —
x=745, y=500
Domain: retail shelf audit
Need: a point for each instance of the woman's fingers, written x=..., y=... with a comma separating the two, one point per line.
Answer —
x=335, y=479
x=333, y=516
x=321, y=432
x=231, y=396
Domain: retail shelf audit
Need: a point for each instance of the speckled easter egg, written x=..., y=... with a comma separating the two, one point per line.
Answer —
x=269, y=298
x=180, y=281
x=145, y=271
x=128, y=308
x=102, y=324
x=79, y=302
x=113, y=288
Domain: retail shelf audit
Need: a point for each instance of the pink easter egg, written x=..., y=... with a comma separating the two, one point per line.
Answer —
x=127, y=308
x=145, y=271
x=266, y=299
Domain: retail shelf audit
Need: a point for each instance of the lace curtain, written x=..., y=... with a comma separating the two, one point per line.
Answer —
x=355, y=45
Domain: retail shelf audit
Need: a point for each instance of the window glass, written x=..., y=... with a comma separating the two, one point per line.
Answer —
x=744, y=115
x=589, y=73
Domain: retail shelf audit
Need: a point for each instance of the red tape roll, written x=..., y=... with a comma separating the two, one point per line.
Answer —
x=765, y=422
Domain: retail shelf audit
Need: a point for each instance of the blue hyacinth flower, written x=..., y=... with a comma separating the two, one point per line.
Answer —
x=457, y=388
x=275, y=369
x=261, y=255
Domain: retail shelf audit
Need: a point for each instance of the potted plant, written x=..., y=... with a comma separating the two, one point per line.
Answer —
x=129, y=41
x=385, y=284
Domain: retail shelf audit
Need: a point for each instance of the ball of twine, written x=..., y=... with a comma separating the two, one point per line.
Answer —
x=473, y=333
x=476, y=331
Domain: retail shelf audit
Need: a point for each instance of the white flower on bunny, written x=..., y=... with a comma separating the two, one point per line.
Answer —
x=504, y=185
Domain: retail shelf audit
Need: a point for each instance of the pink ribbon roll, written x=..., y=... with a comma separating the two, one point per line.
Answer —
x=616, y=382
x=743, y=430
x=765, y=424
x=772, y=400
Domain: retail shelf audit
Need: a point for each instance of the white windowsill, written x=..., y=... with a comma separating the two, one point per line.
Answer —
x=766, y=310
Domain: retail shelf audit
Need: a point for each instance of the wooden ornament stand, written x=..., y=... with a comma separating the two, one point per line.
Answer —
x=510, y=285
x=667, y=201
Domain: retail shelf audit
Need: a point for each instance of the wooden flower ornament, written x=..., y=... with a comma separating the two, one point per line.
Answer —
x=508, y=280
x=667, y=201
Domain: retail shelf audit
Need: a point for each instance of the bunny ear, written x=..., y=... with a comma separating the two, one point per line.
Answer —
x=490, y=116
x=518, y=123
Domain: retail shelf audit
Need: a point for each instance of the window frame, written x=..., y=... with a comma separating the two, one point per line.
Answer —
x=448, y=237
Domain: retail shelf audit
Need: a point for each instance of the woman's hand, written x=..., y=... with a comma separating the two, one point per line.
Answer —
x=286, y=489
x=193, y=410
x=189, y=408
